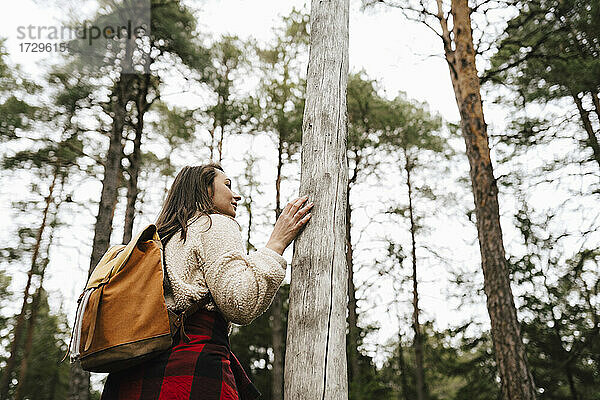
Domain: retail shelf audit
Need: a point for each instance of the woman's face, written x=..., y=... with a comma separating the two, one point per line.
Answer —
x=224, y=198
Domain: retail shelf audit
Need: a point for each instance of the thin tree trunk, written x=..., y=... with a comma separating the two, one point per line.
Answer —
x=596, y=102
x=418, y=337
x=516, y=379
x=352, y=345
x=277, y=306
x=20, y=322
x=220, y=143
x=587, y=124
x=248, y=206
x=135, y=158
x=315, y=361
x=212, y=141
x=35, y=307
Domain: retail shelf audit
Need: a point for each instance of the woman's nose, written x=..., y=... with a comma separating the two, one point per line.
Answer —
x=237, y=197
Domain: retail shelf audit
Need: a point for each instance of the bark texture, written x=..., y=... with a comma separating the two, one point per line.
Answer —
x=315, y=360
x=516, y=379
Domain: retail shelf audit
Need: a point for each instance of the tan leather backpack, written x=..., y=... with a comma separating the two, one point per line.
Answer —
x=122, y=318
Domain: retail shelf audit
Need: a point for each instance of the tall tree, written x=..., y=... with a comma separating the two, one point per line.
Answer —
x=146, y=93
x=36, y=303
x=561, y=340
x=20, y=321
x=367, y=114
x=456, y=33
x=315, y=362
x=412, y=131
x=227, y=59
x=281, y=100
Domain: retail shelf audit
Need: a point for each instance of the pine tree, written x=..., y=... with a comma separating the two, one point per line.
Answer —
x=452, y=24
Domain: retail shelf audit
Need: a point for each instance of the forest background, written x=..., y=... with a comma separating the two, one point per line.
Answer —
x=229, y=86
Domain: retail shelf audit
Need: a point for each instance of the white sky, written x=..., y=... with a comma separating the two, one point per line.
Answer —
x=396, y=53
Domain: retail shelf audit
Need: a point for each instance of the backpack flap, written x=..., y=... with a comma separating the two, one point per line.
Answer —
x=117, y=256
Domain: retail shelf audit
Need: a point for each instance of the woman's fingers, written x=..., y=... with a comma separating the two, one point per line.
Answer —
x=302, y=212
x=297, y=203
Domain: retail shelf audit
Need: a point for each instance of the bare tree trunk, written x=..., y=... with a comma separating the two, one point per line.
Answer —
x=35, y=305
x=248, y=206
x=315, y=361
x=418, y=337
x=20, y=322
x=587, y=124
x=596, y=102
x=212, y=142
x=352, y=345
x=135, y=158
x=517, y=381
x=277, y=306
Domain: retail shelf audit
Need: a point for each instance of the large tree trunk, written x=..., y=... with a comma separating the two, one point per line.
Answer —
x=587, y=125
x=20, y=322
x=516, y=379
x=277, y=306
x=80, y=379
x=135, y=158
x=416, y=325
x=315, y=361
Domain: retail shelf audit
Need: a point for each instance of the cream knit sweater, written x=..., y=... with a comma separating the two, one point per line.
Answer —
x=214, y=262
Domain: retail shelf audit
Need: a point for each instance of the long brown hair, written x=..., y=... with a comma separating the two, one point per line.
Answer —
x=188, y=194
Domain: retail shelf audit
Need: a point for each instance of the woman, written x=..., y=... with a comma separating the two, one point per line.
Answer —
x=206, y=264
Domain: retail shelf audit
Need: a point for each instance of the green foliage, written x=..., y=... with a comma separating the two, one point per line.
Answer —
x=457, y=367
x=369, y=384
x=5, y=294
x=548, y=54
x=550, y=50
x=561, y=324
x=280, y=99
x=46, y=378
x=174, y=33
x=229, y=112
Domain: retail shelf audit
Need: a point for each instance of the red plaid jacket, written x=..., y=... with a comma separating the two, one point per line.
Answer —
x=203, y=369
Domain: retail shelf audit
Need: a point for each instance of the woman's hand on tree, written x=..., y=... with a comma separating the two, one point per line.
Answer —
x=290, y=222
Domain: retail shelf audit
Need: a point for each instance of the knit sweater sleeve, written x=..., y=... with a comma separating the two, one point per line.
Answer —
x=242, y=285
